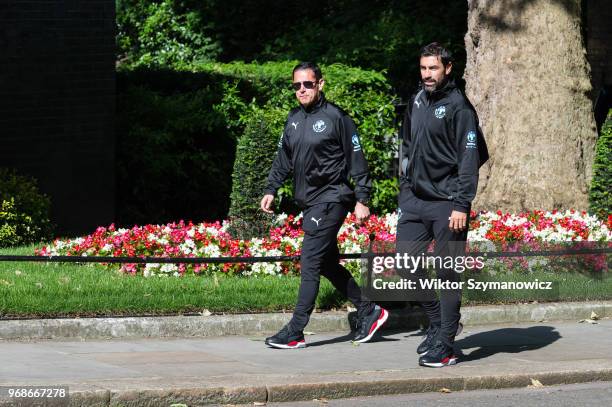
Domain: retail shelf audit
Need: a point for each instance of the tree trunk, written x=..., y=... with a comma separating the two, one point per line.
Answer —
x=528, y=78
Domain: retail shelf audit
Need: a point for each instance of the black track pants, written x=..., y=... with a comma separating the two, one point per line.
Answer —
x=320, y=256
x=422, y=221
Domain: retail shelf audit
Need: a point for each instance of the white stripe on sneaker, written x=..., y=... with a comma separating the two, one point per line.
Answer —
x=451, y=361
x=384, y=314
x=299, y=345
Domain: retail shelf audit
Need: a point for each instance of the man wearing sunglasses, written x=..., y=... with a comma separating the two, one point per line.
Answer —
x=321, y=146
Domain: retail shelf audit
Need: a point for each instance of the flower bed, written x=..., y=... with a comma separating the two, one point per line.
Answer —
x=285, y=237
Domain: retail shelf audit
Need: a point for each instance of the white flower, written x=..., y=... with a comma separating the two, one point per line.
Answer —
x=225, y=226
x=265, y=268
x=188, y=246
x=211, y=250
x=390, y=221
x=151, y=269
x=295, y=243
x=168, y=268
x=212, y=231
x=280, y=219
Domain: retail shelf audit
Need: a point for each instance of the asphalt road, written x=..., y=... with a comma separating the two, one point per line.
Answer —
x=574, y=395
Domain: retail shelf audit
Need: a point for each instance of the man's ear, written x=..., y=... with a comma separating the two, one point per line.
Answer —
x=321, y=83
x=448, y=68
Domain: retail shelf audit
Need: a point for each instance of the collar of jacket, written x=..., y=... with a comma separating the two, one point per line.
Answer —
x=442, y=92
x=316, y=106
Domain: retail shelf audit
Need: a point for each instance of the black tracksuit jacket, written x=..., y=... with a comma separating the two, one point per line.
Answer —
x=320, y=145
x=442, y=147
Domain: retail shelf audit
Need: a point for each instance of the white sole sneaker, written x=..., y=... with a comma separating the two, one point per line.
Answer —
x=452, y=360
x=290, y=345
x=384, y=315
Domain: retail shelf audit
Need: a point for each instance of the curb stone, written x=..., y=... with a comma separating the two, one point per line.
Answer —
x=259, y=324
x=335, y=390
x=387, y=387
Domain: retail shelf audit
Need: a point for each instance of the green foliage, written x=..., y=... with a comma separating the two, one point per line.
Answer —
x=385, y=38
x=365, y=95
x=385, y=194
x=254, y=156
x=183, y=35
x=600, y=196
x=24, y=211
x=176, y=129
x=384, y=35
x=162, y=33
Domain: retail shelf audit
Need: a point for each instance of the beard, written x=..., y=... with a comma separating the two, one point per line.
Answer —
x=435, y=86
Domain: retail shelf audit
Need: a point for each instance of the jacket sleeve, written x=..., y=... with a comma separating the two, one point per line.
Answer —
x=405, y=135
x=466, y=138
x=355, y=160
x=281, y=167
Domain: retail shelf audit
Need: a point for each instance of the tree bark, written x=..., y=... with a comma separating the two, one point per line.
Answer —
x=529, y=80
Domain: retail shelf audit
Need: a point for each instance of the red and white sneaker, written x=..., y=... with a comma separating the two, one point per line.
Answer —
x=438, y=356
x=286, y=339
x=369, y=324
x=432, y=335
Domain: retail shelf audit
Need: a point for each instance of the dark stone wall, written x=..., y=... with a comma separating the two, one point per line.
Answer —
x=57, y=92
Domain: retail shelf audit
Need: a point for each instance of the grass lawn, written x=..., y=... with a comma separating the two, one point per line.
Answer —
x=53, y=290
x=565, y=287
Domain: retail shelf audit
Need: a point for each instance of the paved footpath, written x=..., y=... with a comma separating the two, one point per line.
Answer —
x=236, y=369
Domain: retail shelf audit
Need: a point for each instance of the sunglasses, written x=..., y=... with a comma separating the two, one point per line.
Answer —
x=307, y=85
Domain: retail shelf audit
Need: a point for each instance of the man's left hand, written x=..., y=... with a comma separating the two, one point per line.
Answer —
x=457, y=221
x=362, y=213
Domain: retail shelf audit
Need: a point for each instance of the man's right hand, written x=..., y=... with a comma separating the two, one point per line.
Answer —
x=266, y=203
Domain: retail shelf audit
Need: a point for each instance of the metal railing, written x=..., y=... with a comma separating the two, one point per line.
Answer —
x=263, y=259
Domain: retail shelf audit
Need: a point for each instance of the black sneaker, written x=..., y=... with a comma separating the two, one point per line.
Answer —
x=369, y=324
x=430, y=338
x=439, y=355
x=432, y=334
x=287, y=339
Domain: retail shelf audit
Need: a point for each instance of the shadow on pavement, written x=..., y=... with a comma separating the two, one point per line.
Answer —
x=344, y=338
x=349, y=337
x=506, y=340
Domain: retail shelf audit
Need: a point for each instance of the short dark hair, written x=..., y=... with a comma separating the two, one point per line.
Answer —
x=437, y=50
x=308, y=65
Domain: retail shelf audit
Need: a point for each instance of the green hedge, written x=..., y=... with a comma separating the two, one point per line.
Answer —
x=600, y=196
x=162, y=33
x=24, y=211
x=174, y=152
x=177, y=133
x=385, y=37
x=254, y=156
x=365, y=95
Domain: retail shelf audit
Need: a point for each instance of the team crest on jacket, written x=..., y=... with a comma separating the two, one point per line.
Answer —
x=471, y=139
x=319, y=126
x=356, y=143
x=440, y=112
